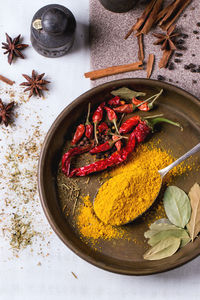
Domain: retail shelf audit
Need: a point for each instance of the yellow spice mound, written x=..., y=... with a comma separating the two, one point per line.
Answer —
x=126, y=196
x=89, y=225
x=146, y=157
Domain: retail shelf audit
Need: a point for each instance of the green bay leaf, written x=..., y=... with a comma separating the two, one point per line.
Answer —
x=163, y=249
x=127, y=94
x=177, y=206
x=162, y=235
x=194, y=223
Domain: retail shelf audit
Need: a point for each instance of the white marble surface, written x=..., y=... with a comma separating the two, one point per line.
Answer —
x=22, y=278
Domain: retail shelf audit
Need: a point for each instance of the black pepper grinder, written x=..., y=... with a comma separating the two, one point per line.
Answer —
x=53, y=30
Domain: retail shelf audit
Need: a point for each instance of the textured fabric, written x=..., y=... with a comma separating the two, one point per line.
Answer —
x=108, y=47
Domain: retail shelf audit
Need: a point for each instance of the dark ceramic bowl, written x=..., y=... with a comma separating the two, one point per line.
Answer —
x=122, y=256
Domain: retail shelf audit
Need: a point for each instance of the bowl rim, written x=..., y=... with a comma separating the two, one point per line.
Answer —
x=40, y=182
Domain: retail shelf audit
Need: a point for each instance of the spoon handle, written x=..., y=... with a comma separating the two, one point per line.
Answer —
x=194, y=150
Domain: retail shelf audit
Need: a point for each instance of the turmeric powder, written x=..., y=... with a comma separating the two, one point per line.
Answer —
x=126, y=196
x=147, y=157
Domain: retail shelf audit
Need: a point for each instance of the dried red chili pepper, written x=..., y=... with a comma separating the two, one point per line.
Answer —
x=126, y=108
x=118, y=142
x=139, y=134
x=115, y=101
x=88, y=125
x=97, y=117
x=78, y=134
x=128, y=125
x=66, y=159
x=146, y=106
x=143, y=107
x=104, y=147
x=103, y=127
x=112, y=117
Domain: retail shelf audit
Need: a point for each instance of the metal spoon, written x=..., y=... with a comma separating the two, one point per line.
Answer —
x=162, y=173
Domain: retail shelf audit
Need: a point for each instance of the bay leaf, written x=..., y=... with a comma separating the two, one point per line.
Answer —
x=163, y=249
x=161, y=221
x=177, y=206
x=127, y=94
x=162, y=235
x=194, y=223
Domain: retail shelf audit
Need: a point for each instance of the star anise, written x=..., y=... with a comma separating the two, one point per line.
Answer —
x=13, y=47
x=5, y=112
x=167, y=40
x=35, y=84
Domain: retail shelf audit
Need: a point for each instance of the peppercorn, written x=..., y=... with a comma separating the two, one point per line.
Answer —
x=180, y=42
x=177, y=60
x=186, y=67
x=192, y=66
x=195, y=32
x=198, y=24
x=171, y=66
x=193, y=70
x=178, y=54
x=180, y=47
x=193, y=55
x=184, y=36
x=160, y=77
x=194, y=81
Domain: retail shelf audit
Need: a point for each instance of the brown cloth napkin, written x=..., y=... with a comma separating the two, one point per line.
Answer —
x=108, y=47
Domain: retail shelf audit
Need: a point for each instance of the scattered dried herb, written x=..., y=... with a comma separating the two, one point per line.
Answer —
x=13, y=47
x=35, y=84
x=5, y=112
x=21, y=233
x=194, y=225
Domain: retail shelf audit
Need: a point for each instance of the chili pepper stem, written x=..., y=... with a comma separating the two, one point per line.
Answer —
x=88, y=114
x=95, y=133
x=120, y=121
x=155, y=121
x=155, y=116
x=118, y=135
x=115, y=124
x=154, y=97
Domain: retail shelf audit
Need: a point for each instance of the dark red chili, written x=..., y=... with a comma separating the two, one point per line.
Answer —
x=143, y=107
x=97, y=117
x=66, y=159
x=103, y=128
x=115, y=159
x=139, y=134
x=126, y=108
x=128, y=125
x=78, y=134
x=103, y=147
x=88, y=125
x=112, y=117
x=118, y=142
x=115, y=101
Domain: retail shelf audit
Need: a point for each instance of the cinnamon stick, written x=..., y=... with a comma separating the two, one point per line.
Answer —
x=141, y=21
x=6, y=80
x=152, y=17
x=114, y=70
x=141, y=47
x=165, y=58
x=170, y=13
x=150, y=64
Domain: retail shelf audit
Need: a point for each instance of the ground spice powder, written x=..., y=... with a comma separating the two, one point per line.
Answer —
x=126, y=196
x=146, y=157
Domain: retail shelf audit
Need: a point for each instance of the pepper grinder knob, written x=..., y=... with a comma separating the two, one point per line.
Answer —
x=54, y=21
x=53, y=30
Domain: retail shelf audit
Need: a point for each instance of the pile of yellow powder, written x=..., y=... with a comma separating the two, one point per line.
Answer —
x=144, y=163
